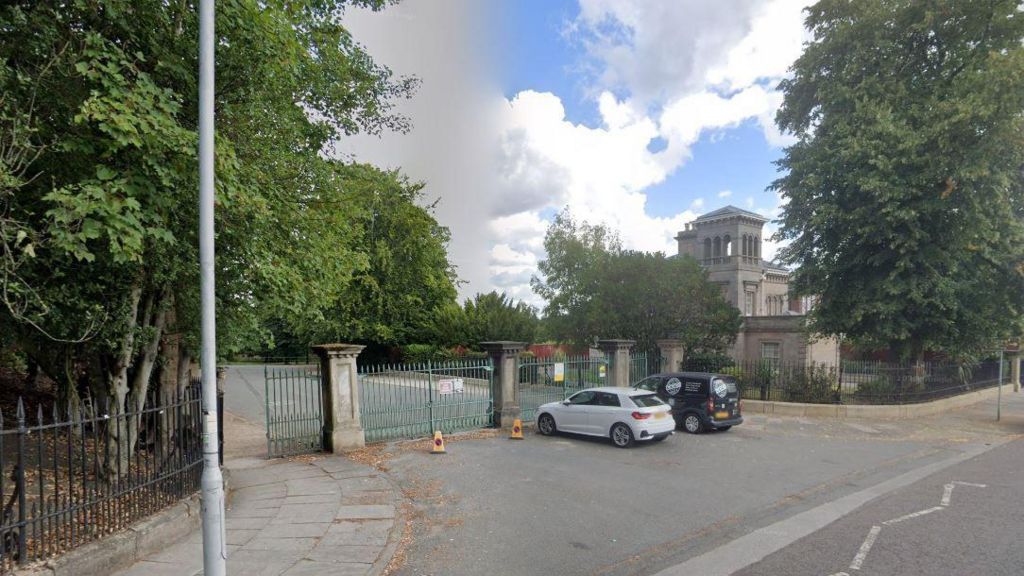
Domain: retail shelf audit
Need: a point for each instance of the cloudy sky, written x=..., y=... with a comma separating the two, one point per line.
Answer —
x=641, y=114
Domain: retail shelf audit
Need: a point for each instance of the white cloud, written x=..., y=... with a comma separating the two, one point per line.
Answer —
x=662, y=71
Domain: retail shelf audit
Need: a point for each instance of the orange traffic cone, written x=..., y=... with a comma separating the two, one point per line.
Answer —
x=438, y=443
x=517, y=429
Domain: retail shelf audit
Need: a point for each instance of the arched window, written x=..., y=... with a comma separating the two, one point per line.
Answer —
x=707, y=248
x=745, y=250
x=757, y=247
x=727, y=245
x=718, y=246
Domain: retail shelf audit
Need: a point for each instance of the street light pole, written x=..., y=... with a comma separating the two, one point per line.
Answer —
x=212, y=482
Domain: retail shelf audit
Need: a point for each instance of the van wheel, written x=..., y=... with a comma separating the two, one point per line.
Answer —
x=622, y=436
x=692, y=423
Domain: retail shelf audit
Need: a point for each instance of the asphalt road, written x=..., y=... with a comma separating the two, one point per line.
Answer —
x=571, y=505
x=919, y=530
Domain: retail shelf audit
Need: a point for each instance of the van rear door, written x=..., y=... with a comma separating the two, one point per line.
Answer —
x=724, y=398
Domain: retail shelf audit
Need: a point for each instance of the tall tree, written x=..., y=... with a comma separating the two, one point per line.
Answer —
x=595, y=289
x=102, y=97
x=486, y=317
x=905, y=189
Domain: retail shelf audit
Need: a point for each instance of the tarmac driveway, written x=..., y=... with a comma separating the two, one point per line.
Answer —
x=571, y=505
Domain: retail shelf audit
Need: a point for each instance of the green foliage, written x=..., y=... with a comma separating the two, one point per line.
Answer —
x=905, y=194
x=98, y=209
x=486, y=317
x=406, y=278
x=596, y=289
x=814, y=384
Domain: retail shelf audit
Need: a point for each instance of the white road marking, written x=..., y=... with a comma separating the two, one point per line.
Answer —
x=913, y=515
x=756, y=545
x=947, y=494
x=970, y=484
x=862, y=554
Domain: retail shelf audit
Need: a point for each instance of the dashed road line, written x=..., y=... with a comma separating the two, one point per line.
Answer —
x=862, y=554
x=913, y=515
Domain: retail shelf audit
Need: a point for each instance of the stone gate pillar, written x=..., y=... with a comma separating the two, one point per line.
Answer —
x=673, y=352
x=340, y=391
x=505, y=359
x=617, y=352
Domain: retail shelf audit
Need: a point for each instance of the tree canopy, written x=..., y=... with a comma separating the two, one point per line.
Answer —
x=596, y=289
x=98, y=182
x=486, y=317
x=904, y=190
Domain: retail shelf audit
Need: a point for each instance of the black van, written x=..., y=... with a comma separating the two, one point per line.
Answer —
x=699, y=400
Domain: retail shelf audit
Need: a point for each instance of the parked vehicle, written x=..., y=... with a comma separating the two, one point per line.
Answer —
x=699, y=400
x=623, y=414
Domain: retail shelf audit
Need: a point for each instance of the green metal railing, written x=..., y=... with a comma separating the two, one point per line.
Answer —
x=543, y=380
x=413, y=400
x=294, y=410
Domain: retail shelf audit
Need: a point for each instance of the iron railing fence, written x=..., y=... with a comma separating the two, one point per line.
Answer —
x=414, y=400
x=543, y=380
x=854, y=382
x=68, y=477
x=294, y=410
x=643, y=364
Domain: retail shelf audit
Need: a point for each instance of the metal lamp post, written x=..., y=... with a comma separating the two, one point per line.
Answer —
x=212, y=482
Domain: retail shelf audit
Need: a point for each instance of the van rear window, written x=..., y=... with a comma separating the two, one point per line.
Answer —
x=646, y=401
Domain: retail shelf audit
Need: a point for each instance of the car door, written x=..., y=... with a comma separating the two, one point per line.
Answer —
x=602, y=413
x=572, y=414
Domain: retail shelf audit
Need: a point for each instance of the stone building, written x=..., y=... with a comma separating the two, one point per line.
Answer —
x=727, y=242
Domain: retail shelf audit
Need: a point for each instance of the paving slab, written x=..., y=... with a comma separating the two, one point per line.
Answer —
x=296, y=518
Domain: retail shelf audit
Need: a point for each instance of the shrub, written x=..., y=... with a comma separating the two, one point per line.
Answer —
x=707, y=362
x=814, y=384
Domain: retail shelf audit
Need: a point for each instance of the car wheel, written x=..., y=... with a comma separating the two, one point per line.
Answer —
x=723, y=428
x=692, y=423
x=546, y=424
x=622, y=436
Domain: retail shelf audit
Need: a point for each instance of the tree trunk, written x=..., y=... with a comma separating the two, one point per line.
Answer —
x=117, y=391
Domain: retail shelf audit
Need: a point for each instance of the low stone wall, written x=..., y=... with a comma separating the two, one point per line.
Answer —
x=121, y=550
x=888, y=411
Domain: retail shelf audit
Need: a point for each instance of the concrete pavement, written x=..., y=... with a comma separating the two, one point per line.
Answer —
x=316, y=514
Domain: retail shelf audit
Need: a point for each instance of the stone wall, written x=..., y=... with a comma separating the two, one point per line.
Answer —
x=795, y=345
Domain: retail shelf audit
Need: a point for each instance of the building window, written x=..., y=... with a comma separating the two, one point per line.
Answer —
x=727, y=245
x=707, y=248
x=771, y=351
x=748, y=304
x=718, y=247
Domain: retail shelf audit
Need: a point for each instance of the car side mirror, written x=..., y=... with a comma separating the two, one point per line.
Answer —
x=565, y=402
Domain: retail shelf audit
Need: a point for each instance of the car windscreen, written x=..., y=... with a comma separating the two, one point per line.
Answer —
x=646, y=401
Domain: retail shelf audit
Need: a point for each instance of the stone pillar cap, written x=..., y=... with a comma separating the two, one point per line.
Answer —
x=669, y=342
x=615, y=343
x=338, y=349
x=503, y=345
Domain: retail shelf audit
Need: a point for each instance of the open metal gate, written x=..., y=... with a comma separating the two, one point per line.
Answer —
x=294, y=408
x=413, y=400
x=543, y=380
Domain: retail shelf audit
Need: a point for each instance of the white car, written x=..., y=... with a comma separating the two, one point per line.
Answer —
x=623, y=414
